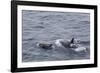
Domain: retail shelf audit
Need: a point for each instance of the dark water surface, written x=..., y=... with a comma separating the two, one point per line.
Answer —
x=49, y=26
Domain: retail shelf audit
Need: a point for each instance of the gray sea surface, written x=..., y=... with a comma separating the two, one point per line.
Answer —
x=48, y=26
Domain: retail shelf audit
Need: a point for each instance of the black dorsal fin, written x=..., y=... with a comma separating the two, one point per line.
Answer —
x=72, y=40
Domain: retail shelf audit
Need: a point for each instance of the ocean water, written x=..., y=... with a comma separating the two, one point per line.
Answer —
x=48, y=26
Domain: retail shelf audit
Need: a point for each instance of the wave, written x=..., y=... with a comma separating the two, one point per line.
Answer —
x=39, y=27
x=84, y=22
x=84, y=42
x=28, y=39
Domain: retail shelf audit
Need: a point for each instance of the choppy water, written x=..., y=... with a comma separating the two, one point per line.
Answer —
x=49, y=26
